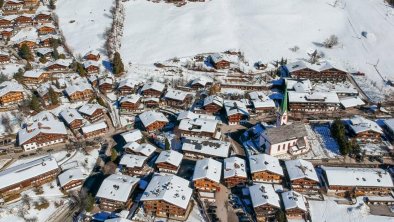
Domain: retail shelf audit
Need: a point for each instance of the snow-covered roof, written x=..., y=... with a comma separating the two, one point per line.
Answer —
x=89, y=108
x=285, y=133
x=234, y=166
x=176, y=94
x=257, y=95
x=27, y=170
x=149, y=117
x=292, y=199
x=170, y=156
x=146, y=149
x=208, y=169
x=44, y=51
x=118, y=219
x=322, y=66
x=201, y=80
x=338, y=87
x=79, y=87
x=269, y=103
x=128, y=82
x=50, y=126
x=389, y=123
x=71, y=175
x=358, y=177
x=132, y=161
x=217, y=57
x=359, y=124
x=169, y=188
x=262, y=194
x=62, y=62
x=234, y=107
x=117, y=187
x=106, y=80
x=154, y=86
x=315, y=97
x=214, y=148
x=265, y=162
x=299, y=85
x=214, y=99
x=186, y=114
x=10, y=86
x=93, y=127
x=198, y=125
x=351, y=102
x=88, y=63
x=132, y=98
x=301, y=169
x=132, y=136
x=69, y=115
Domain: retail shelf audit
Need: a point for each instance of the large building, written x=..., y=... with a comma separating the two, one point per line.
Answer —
x=115, y=192
x=201, y=148
x=202, y=128
x=364, y=130
x=343, y=181
x=313, y=102
x=324, y=71
x=213, y=104
x=265, y=169
x=16, y=179
x=168, y=196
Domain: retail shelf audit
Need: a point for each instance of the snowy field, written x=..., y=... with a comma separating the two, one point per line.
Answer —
x=264, y=30
x=91, y=19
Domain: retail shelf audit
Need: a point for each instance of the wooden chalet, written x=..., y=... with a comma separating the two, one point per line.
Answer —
x=302, y=176
x=265, y=169
x=12, y=7
x=168, y=196
x=30, y=43
x=313, y=102
x=7, y=33
x=324, y=71
x=92, y=112
x=93, y=56
x=71, y=179
x=35, y=76
x=115, y=192
x=151, y=102
x=130, y=103
x=4, y=58
x=94, y=130
x=234, y=172
x=197, y=148
x=153, y=89
x=11, y=93
x=213, y=104
x=364, y=130
x=72, y=118
x=61, y=65
x=207, y=175
x=24, y=21
x=31, y=3
x=21, y=177
x=265, y=201
x=133, y=165
x=127, y=87
x=202, y=128
x=201, y=83
x=153, y=120
x=43, y=18
x=169, y=161
x=178, y=99
x=6, y=22
x=46, y=29
x=219, y=61
x=295, y=205
x=91, y=67
x=79, y=92
x=106, y=85
x=46, y=40
x=236, y=112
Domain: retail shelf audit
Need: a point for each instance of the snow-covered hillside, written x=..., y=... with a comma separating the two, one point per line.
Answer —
x=84, y=22
x=264, y=30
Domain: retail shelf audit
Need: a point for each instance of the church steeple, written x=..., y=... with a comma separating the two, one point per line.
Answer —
x=282, y=110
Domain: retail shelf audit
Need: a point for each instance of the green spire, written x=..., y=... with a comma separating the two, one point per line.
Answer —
x=283, y=105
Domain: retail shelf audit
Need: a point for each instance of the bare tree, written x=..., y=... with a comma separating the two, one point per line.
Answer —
x=331, y=41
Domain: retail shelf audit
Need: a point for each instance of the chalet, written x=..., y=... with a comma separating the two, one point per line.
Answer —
x=265, y=169
x=169, y=161
x=347, y=182
x=302, y=176
x=44, y=52
x=265, y=201
x=133, y=165
x=46, y=40
x=31, y=43
x=7, y=33
x=91, y=67
x=60, y=65
x=115, y=192
x=94, y=130
x=144, y=149
x=31, y=3
x=43, y=17
x=127, y=87
x=106, y=85
x=201, y=83
x=313, y=102
x=202, y=128
x=92, y=112
x=24, y=21
x=35, y=76
x=342, y=89
x=152, y=89
x=168, y=196
x=43, y=91
x=7, y=21
x=234, y=172
x=389, y=128
x=153, y=120
x=92, y=55
x=220, y=61
x=34, y=173
x=351, y=102
x=236, y=112
x=12, y=7
x=71, y=179
x=292, y=139
x=207, y=175
x=213, y=104
x=364, y=130
x=44, y=131
x=11, y=92
x=203, y=148
x=324, y=71
x=93, y=79
x=72, y=118
x=46, y=29
x=295, y=205
x=132, y=136
x=262, y=103
x=178, y=99
x=4, y=57
x=130, y=103
x=151, y=102
x=186, y=114
x=79, y=92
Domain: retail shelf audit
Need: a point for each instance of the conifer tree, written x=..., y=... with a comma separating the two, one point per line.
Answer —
x=25, y=53
x=35, y=104
x=117, y=63
x=53, y=97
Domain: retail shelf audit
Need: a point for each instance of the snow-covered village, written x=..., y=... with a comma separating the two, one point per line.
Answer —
x=196, y=110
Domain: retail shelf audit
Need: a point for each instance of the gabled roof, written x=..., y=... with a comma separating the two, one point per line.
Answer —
x=88, y=63
x=262, y=194
x=176, y=94
x=149, y=117
x=132, y=136
x=389, y=124
x=214, y=100
x=51, y=126
x=214, y=148
x=93, y=127
x=235, y=107
x=313, y=97
x=132, y=98
x=10, y=86
x=69, y=115
x=171, y=189
x=292, y=199
x=265, y=162
x=285, y=133
x=62, y=62
x=202, y=81
x=79, y=87
x=234, y=167
x=128, y=82
x=89, y=108
x=71, y=175
x=117, y=187
x=132, y=161
x=198, y=125
x=301, y=169
x=154, y=86
x=208, y=169
x=145, y=149
x=359, y=124
x=186, y=114
x=170, y=156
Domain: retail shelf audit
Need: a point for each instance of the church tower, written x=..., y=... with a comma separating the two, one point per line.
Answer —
x=281, y=114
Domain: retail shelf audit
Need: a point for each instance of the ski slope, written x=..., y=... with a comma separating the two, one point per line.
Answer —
x=264, y=30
